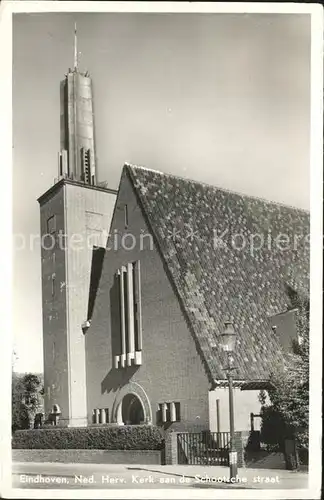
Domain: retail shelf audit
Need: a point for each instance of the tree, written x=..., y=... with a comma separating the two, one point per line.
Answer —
x=287, y=415
x=27, y=399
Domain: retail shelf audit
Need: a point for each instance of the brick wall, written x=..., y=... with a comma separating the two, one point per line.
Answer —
x=80, y=213
x=240, y=442
x=54, y=307
x=144, y=457
x=171, y=449
x=172, y=369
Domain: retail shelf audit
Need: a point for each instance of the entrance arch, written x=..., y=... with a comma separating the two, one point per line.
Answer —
x=132, y=410
x=132, y=406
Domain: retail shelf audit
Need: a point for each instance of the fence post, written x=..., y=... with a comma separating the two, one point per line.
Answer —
x=240, y=442
x=171, y=448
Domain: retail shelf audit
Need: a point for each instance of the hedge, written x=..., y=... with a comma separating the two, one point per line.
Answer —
x=128, y=437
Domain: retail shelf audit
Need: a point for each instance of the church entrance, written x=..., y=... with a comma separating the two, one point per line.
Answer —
x=131, y=406
x=132, y=412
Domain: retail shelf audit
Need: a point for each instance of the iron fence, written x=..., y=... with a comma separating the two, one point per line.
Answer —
x=203, y=448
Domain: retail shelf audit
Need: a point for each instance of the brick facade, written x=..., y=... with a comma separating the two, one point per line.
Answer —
x=171, y=449
x=172, y=370
x=81, y=215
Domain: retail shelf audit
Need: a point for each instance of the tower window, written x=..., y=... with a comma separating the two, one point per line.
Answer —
x=60, y=164
x=51, y=224
x=53, y=284
x=85, y=164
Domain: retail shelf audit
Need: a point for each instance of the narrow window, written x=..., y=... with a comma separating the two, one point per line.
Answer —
x=124, y=278
x=53, y=284
x=168, y=412
x=122, y=317
x=60, y=164
x=159, y=414
x=85, y=163
x=96, y=416
x=126, y=216
x=177, y=409
x=103, y=415
x=137, y=305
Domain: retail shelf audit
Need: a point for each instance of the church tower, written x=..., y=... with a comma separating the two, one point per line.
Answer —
x=75, y=216
x=77, y=155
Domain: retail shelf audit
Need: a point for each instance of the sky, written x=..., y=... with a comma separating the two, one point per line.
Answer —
x=219, y=98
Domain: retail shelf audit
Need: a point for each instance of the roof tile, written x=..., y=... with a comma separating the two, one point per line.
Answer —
x=200, y=230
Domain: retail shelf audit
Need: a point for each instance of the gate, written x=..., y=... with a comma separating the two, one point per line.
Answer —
x=203, y=448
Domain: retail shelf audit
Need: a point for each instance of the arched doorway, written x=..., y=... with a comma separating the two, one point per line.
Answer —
x=132, y=410
x=131, y=406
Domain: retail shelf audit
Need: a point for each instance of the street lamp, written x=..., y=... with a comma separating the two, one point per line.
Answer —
x=228, y=341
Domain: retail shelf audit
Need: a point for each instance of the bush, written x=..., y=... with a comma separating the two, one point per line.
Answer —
x=27, y=392
x=128, y=437
x=273, y=429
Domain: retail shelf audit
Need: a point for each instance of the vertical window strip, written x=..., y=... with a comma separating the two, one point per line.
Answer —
x=130, y=315
x=126, y=216
x=138, y=305
x=119, y=349
x=172, y=412
x=60, y=164
x=124, y=275
x=102, y=415
x=53, y=284
x=122, y=317
x=177, y=408
x=135, y=308
x=164, y=412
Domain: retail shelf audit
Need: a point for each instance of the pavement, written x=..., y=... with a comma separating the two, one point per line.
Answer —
x=33, y=475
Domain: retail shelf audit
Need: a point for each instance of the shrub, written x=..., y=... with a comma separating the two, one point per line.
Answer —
x=27, y=392
x=273, y=428
x=128, y=437
x=287, y=416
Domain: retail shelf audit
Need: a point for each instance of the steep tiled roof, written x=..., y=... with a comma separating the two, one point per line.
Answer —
x=200, y=230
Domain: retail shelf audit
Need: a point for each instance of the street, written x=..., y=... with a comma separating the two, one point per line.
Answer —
x=104, y=476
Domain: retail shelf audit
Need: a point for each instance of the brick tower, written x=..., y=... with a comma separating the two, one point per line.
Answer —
x=75, y=215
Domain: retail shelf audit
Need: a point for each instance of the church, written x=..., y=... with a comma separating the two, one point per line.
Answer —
x=137, y=285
